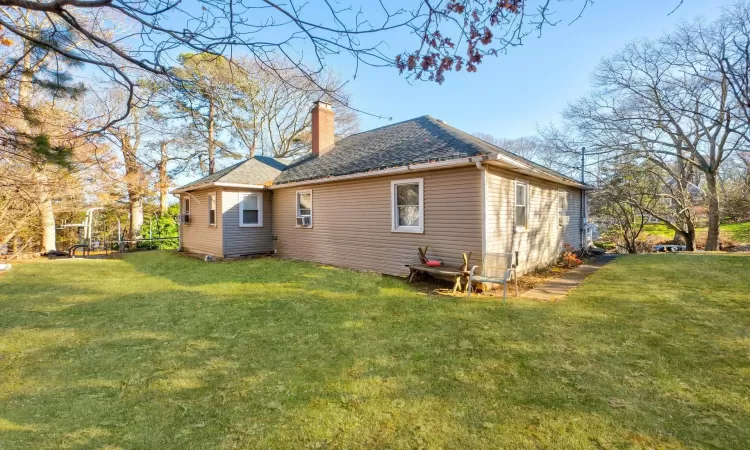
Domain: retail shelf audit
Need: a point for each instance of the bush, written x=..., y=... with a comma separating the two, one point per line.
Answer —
x=606, y=245
x=568, y=258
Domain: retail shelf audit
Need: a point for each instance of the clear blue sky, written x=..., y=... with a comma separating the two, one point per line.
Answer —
x=530, y=85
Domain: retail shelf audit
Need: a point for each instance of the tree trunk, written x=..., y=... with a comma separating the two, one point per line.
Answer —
x=46, y=213
x=255, y=137
x=163, y=179
x=211, y=142
x=135, y=182
x=712, y=241
x=686, y=238
x=41, y=181
x=136, y=214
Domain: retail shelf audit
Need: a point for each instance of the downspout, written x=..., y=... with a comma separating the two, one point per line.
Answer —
x=584, y=235
x=483, y=176
x=181, y=222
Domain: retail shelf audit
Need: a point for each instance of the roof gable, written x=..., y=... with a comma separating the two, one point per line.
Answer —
x=255, y=171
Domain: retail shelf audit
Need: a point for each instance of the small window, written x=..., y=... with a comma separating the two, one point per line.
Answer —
x=304, y=209
x=186, y=211
x=407, y=206
x=251, y=210
x=522, y=199
x=212, y=209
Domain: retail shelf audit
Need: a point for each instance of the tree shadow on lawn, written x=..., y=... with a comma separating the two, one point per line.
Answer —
x=377, y=365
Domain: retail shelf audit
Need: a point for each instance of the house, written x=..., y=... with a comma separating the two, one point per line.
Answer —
x=692, y=195
x=369, y=200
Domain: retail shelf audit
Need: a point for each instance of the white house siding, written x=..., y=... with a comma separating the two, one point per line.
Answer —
x=200, y=237
x=541, y=241
x=241, y=241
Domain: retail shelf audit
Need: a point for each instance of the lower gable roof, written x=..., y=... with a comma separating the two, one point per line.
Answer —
x=252, y=172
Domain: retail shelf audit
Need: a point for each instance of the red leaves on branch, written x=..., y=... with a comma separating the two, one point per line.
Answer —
x=486, y=37
x=440, y=54
x=455, y=6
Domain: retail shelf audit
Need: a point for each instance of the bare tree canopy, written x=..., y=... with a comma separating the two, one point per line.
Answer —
x=120, y=37
x=538, y=150
x=672, y=102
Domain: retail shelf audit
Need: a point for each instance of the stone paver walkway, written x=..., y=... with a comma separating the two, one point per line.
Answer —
x=558, y=288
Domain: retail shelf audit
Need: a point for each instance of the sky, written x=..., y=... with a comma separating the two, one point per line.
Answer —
x=513, y=93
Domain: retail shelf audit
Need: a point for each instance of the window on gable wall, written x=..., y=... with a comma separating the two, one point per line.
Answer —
x=186, y=211
x=212, y=208
x=251, y=209
x=522, y=200
x=407, y=205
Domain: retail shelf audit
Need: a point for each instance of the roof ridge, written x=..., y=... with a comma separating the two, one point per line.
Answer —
x=386, y=126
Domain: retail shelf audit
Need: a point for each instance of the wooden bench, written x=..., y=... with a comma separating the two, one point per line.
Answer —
x=457, y=273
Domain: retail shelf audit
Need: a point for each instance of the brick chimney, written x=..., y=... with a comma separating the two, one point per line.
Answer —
x=322, y=128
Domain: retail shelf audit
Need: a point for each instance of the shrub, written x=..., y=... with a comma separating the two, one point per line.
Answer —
x=568, y=258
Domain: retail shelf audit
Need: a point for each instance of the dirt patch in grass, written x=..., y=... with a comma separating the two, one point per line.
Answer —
x=526, y=282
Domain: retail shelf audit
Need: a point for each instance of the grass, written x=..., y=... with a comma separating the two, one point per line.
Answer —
x=739, y=232
x=162, y=351
x=736, y=232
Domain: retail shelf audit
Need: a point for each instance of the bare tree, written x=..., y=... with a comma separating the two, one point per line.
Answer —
x=128, y=136
x=444, y=36
x=662, y=102
x=622, y=202
x=538, y=150
x=35, y=86
x=282, y=110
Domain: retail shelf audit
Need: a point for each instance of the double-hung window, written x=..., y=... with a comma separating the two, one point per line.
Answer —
x=186, y=211
x=407, y=206
x=304, y=209
x=522, y=201
x=251, y=209
x=212, y=209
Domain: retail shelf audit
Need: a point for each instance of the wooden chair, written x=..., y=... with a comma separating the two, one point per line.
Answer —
x=496, y=268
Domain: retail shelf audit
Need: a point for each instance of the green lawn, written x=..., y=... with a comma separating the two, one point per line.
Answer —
x=161, y=351
x=737, y=232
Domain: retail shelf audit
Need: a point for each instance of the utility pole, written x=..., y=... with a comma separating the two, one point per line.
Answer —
x=583, y=164
x=584, y=219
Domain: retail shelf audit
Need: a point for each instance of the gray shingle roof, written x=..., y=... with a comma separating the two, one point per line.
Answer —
x=421, y=140
x=254, y=171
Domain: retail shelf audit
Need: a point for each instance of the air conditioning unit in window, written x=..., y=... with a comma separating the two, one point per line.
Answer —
x=564, y=220
x=305, y=221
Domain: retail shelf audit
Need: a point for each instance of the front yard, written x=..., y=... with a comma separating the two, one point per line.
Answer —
x=162, y=351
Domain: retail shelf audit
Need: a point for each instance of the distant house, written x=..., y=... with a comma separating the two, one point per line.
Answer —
x=666, y=199
x=369, y=200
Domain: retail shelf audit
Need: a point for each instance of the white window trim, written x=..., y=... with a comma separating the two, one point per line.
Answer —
x=259, y=196
x=515, y=206
x=188, y=213
x=296, y=207
x=395, y=228
x=216, y=209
